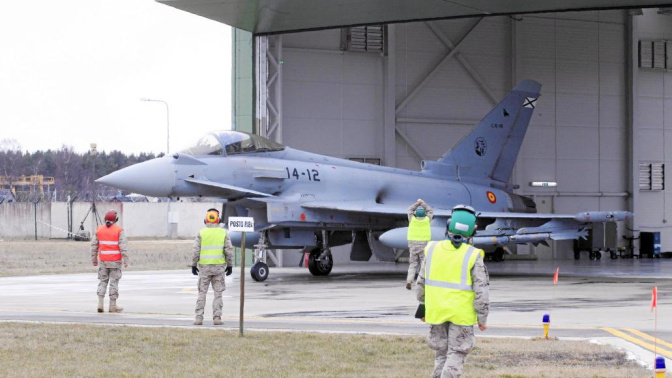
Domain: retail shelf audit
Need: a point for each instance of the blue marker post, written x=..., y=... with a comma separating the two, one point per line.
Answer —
x=547, y=322
x=660, y=367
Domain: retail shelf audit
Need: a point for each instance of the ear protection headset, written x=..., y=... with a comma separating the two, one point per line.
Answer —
x=211, y=216
x=461, y=225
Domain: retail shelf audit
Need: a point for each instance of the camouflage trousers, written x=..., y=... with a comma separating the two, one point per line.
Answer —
x=452, y=344
x=111, y=275
x=416, y=253
x=210, y=274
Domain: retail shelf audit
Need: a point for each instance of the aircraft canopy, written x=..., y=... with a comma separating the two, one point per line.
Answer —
x=232, y=143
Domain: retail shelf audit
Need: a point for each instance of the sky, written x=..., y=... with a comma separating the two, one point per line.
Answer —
x=72, y=72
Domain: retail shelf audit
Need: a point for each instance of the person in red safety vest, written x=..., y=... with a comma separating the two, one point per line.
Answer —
x=109, y=245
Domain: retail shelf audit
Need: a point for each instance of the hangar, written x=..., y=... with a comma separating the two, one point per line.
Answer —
x=398, y=82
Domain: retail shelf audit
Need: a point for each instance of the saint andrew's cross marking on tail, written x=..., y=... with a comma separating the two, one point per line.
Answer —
x=529, y=102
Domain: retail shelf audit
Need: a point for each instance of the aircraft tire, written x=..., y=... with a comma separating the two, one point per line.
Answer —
x=598, y=255
x=320, y=268
x=259, y=271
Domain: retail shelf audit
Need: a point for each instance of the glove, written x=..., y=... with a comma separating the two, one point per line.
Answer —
x=420, y=312
x=229, y=270
x=194, y=271
x=95, y=264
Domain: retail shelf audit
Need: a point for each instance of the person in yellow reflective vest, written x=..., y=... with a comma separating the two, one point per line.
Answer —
x=213, y=257
x=419, y=233
x=453, y=287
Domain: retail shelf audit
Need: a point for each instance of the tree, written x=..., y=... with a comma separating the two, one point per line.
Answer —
x=73, y=172
x=68, y=170
x=10, y=161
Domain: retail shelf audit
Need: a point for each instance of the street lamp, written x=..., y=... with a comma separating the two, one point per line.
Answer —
x=167, y=121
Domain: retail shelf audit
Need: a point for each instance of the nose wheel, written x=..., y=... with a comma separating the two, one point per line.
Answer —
x=259, y=271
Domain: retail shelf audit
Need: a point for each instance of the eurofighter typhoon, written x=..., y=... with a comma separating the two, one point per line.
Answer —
x=310, y=202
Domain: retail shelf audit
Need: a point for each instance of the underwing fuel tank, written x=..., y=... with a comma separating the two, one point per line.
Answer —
x=396, y=238
x=251, y=238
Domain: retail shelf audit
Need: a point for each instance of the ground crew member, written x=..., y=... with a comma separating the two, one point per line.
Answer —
x=419, y=233
x=109, y=245
x=453, y=284
x=213, y=253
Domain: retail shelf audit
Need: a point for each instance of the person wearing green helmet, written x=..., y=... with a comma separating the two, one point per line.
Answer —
x=419, y=233
x=453, y=291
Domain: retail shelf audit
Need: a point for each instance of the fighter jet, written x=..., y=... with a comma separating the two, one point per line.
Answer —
x=310, y=202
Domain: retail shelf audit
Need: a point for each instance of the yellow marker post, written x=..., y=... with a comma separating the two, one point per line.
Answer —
x=547, y=322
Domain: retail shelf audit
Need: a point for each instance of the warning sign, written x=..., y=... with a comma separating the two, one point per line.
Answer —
x=241, y=224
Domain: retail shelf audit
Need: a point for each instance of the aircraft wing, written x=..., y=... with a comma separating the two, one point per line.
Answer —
x=361, y=207
x=369, y=207
x=228, y=190
x=520, y=228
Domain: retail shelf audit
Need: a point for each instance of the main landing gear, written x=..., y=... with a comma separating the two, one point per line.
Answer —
x=320, y=262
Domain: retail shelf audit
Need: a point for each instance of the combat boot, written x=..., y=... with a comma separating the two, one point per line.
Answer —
x=217, y=320
x=114, y=307
x=100, y=304
x=198, y=321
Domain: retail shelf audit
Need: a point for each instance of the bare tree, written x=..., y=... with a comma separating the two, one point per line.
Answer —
x=68, y=169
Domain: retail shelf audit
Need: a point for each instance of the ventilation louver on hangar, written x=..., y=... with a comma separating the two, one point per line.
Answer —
x=654, y=54
x=651, y=176
x=364, y=39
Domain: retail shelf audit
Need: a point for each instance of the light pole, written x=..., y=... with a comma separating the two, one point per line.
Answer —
x=167, y=121
x=172, y=223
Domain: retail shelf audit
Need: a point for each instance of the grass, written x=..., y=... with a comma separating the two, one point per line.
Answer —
x=33, y=350
x=24, y=258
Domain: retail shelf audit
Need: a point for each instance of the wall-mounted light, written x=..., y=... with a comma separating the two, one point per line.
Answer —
x=544, y=183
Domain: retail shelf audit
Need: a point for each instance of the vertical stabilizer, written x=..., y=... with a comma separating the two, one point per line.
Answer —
x=489, y=152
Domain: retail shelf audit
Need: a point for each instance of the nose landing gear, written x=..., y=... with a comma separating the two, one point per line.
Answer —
x=259, y=270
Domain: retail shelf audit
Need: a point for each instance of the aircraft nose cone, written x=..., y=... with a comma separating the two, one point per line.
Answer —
x=154, y=177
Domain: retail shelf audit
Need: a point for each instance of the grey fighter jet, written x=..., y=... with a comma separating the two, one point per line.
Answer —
x=311, y=202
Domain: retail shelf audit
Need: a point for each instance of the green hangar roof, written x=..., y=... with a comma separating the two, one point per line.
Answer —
x=282, y=16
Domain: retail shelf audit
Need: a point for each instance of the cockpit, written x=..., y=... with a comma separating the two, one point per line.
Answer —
x=228, y=142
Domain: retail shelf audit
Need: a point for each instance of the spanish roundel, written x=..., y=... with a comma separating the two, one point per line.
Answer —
x=491, y=197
